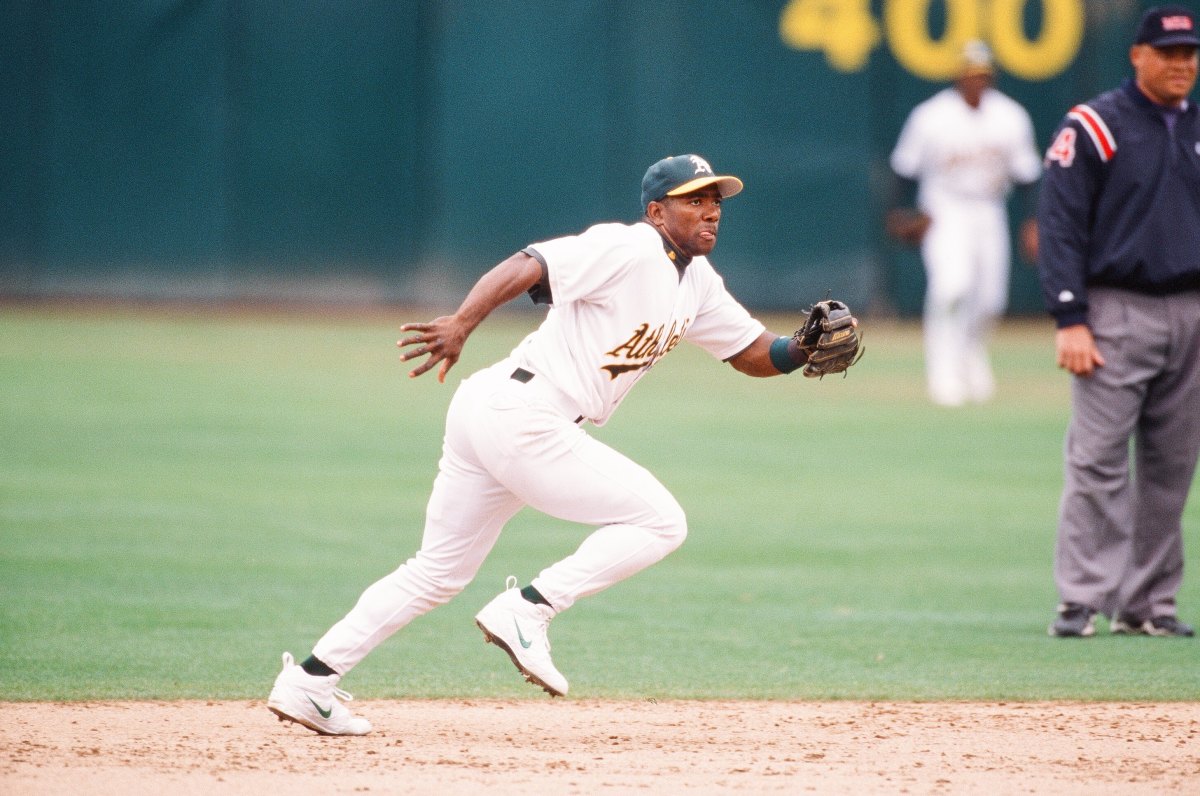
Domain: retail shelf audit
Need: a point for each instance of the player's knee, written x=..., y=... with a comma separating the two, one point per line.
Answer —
x=671, y=525
x=438, y=584
x=443, y=591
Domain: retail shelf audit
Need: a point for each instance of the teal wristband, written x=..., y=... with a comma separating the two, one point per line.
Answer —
x=781, y=356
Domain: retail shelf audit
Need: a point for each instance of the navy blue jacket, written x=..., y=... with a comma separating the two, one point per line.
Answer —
x=1120, y=202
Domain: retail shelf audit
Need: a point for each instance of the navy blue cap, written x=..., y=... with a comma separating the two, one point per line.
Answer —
x=1164, y=26
x=682, y=174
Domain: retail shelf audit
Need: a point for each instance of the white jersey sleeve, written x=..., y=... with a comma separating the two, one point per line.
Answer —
x=1025, y=160
x=722, y=327
x=907, y=157
x=588, y=266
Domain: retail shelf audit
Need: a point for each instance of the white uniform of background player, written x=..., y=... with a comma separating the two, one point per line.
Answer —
x=623, y=296
x=966, y=160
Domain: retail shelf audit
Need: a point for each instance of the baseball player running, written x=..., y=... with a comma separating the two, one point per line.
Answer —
x=965, y=147
x=621, y=297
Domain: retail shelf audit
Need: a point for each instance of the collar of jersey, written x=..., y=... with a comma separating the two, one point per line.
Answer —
x=673, y=252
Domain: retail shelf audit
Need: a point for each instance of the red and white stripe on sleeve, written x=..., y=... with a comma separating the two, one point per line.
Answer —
x=1096, y=129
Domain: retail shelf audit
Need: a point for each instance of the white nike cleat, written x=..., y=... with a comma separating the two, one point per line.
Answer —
x=314, y=702
x=518, y=627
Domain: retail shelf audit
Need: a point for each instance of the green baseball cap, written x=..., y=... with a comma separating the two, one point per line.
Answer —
x=682, y=174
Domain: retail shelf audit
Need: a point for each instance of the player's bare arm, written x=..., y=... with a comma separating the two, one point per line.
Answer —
x=755, y=359
x=828, y=342
x=443, y=338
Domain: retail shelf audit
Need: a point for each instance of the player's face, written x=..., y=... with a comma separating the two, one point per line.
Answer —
x=1165, y=74
x=972, y=87
x=691, y=220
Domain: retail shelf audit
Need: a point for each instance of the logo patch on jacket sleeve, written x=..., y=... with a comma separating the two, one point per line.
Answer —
x=1062, y=151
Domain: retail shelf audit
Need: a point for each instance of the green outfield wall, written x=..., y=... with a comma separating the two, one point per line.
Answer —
x=395, y=150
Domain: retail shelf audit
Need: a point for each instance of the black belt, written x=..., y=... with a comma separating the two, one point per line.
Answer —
x=524, y=376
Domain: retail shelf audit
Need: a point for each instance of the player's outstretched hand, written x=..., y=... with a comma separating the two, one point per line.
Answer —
x=442, y=339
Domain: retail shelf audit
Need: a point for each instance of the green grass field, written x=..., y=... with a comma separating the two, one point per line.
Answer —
x=184, y=496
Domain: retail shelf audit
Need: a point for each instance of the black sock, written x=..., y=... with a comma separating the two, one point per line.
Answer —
x=534, y=596
x=316, y=668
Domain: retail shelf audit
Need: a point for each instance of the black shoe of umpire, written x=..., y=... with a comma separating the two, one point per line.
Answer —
x=1073, y=621
x=1155, y=626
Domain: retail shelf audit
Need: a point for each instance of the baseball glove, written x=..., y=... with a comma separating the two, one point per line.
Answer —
x=907, y=225
x=830, y=338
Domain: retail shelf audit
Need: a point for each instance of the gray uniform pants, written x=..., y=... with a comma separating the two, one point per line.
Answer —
x=1120, y=541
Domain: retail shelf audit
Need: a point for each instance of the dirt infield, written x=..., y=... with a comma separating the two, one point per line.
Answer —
x=583, y=747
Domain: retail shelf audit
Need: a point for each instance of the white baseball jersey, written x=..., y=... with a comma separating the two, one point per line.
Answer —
x=959, y=152
x=619, y=304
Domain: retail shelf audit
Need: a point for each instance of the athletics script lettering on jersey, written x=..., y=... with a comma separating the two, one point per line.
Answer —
x=645, y=347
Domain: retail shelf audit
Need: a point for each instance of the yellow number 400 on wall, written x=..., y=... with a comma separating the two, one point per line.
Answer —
x=846, y=32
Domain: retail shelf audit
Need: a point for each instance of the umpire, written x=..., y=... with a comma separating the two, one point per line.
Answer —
x=1119, y=261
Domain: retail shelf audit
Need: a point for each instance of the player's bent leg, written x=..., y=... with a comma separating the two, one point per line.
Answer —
x=459, y=533
x=640, y=521
x=555, y=467
x=567, y=474
x=467, y=509
x=607, y=556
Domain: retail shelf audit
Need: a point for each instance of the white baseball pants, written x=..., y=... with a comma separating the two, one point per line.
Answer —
x=509, y=444
x=966, y=254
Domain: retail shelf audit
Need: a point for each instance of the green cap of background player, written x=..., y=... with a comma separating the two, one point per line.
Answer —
x=682, y=174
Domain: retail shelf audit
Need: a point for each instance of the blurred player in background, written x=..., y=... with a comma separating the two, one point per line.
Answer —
x=961, y=152
x=1119, y=222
